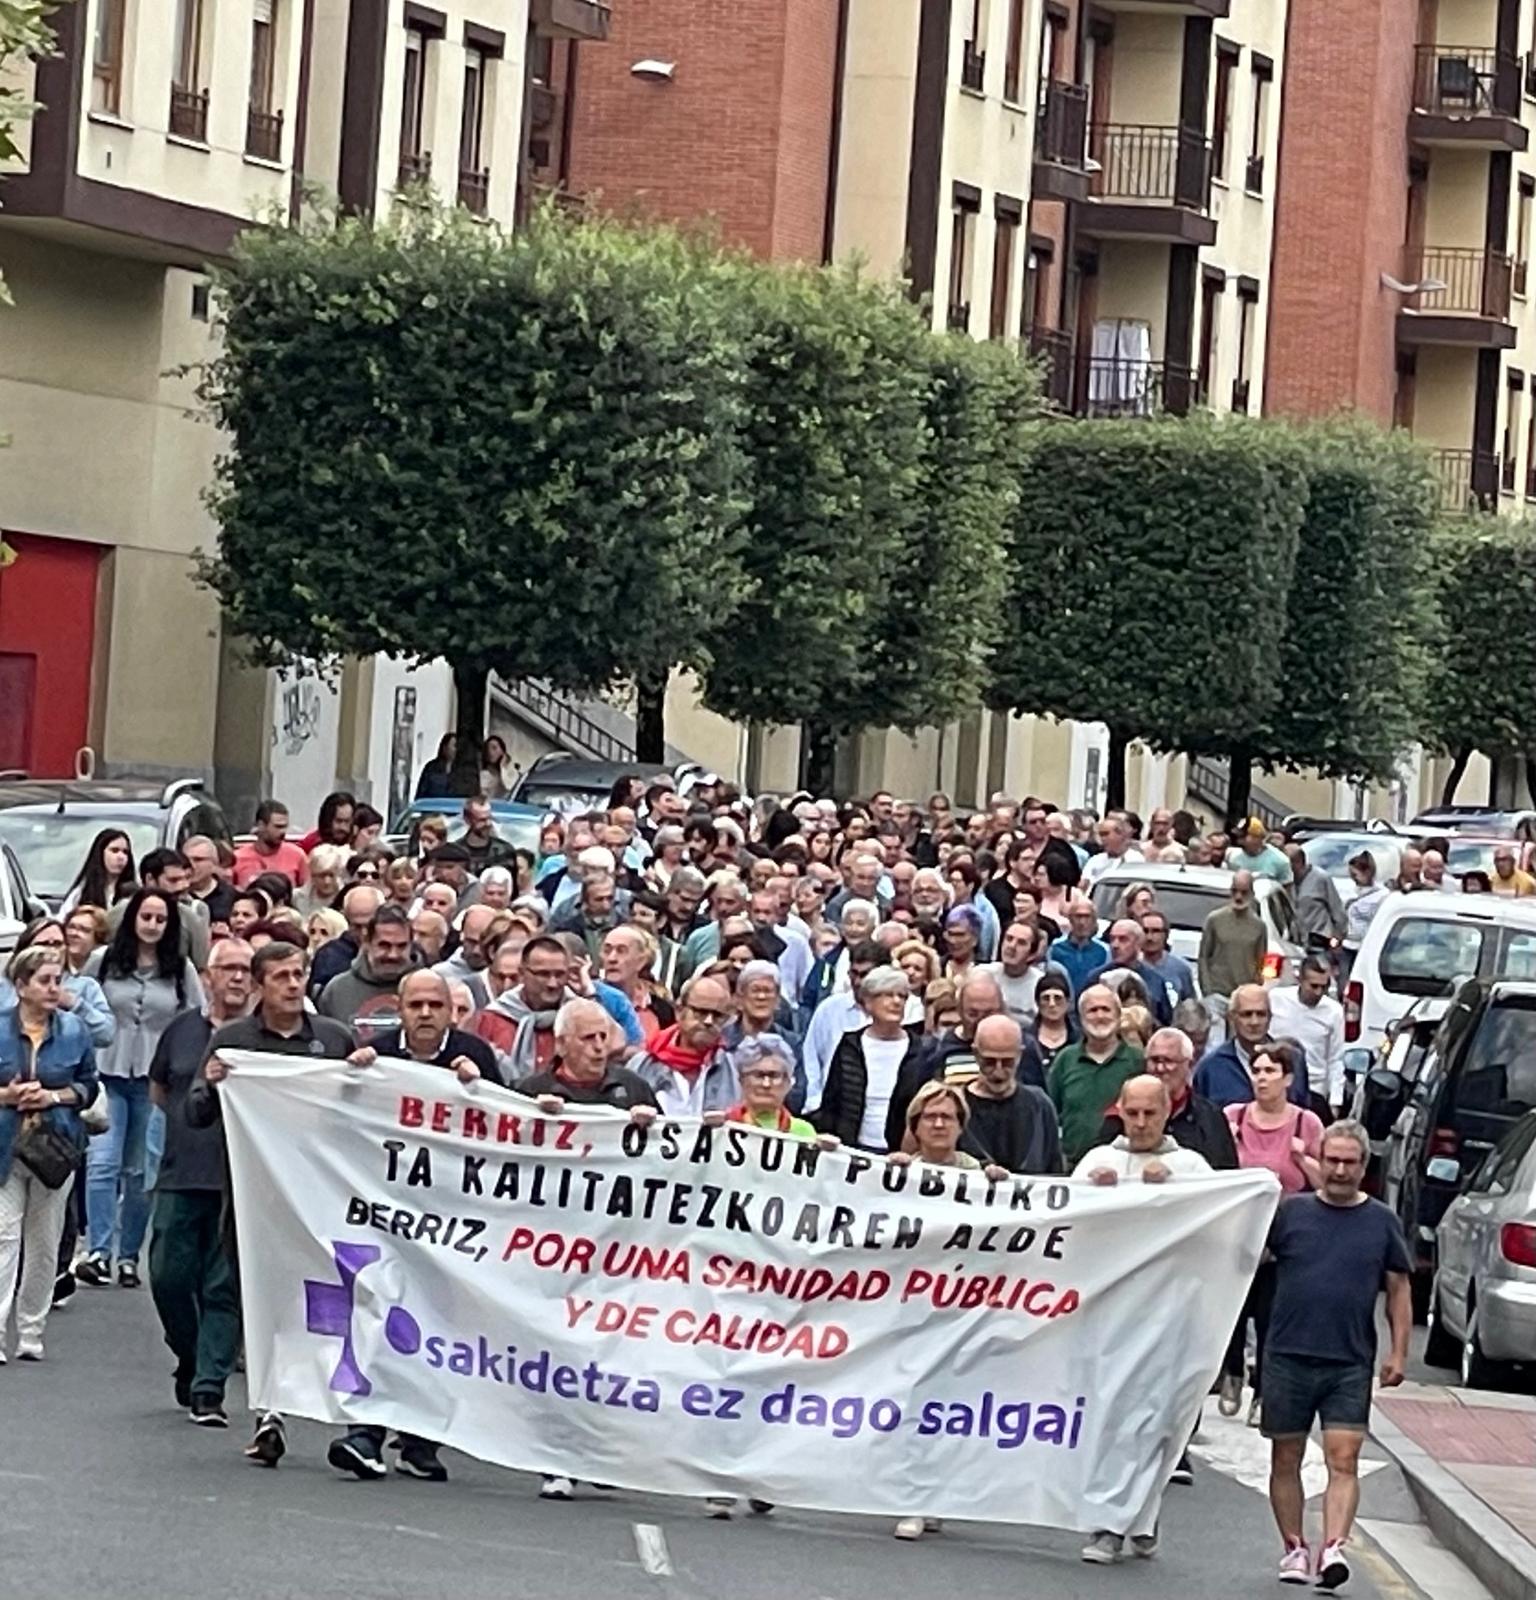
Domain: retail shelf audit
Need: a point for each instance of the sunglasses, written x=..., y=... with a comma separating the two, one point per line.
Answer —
x=707, y=1013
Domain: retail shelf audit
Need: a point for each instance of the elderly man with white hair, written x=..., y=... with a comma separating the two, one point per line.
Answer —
x=829, y=973
x=583, y=1070
x=1196, y=1123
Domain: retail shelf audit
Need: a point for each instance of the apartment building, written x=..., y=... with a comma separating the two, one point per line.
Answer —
x=168, y=125
x=1095, y=180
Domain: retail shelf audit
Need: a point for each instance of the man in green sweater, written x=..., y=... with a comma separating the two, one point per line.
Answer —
x=1086, y=1077
x=1233, y=943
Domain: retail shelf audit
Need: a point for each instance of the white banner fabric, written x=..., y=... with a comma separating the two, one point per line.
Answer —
x=702, y=1311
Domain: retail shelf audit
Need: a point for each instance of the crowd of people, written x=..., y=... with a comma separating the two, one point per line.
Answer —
x=896, y=978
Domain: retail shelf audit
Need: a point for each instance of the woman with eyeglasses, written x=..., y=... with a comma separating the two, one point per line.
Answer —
x=147, y=982
x=86, y=929
x=107, y=876
x=77, y=992
x=47, y=1074
x=327, y=864
x=869, y=1063
x=1054, y=1027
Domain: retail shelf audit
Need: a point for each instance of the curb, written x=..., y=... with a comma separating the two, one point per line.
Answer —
x=1476, y=1533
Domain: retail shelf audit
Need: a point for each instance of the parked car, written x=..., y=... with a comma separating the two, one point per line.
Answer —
x=518, y=824
x=1473, y=852
x=1421, y=946
x=18, y=905
x=567, y=783
x=1486, y=820
x=1188, y=895
x=1475, y=1080
x=1299, y=828
x=50, y=824
x=1382, y=1082
x=1482, y=1308
x=1330, y=853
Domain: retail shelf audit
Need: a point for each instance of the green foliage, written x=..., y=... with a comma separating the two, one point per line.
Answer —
x=1482, y=679
x=1353, y=652
x=517, y=454
x=24, y=36
x=1148, y=570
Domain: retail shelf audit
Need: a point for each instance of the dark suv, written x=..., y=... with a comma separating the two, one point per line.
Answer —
x=49, y=824
x=1475, y=1079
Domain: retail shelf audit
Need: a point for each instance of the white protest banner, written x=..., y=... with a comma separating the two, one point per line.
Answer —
x=712, y=1311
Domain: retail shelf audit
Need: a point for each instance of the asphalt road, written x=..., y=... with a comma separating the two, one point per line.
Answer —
x=113, y=1493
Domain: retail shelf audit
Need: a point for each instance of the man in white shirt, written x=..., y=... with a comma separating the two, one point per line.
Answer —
x=1018, y=972
x=1145, y=1150
x=1315, y=1020
x=1115, y=837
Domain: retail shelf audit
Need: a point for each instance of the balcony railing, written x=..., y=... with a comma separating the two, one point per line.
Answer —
x=474, y=187
x=1253, y=178
x=1530, y=481
x=1052, y=349
x=1469, y=479
x=415, y=167
x=1477, y=282
x=1518, y=276
x=1507, y=475
x=1240, y=393
x=973, y=67
x=264, y=134
x=959, y=318
x=1141, y=162
x=189, y=114
x=1462, y=81
x=1114, y=386
x=1061, y=129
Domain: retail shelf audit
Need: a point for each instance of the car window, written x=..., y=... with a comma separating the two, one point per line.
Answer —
x=1498, y=1072
x=1503, y=1164
x=562, y=797
x=1277, y=906
x=1185, y=906
x=1517, y=955
x=52, y=848
x=1428, y=955
x=1470, y=855
x=205, y=818
x=1330, y=853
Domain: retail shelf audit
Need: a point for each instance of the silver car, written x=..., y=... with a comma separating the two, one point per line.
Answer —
x=1482, y=1313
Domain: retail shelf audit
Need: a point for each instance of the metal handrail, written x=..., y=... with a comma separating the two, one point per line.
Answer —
x=1477, y=282
x=1142, y=161
x=570, y=723
x=1209, y=781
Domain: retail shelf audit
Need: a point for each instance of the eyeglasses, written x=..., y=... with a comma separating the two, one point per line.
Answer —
x=764, y=1077
x=707, y=1013
x=231, y=966
x=996, y=1061
x=366, y=875
x=938, y=1116
x=55, y=942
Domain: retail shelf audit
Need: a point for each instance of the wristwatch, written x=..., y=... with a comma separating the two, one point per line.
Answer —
x=58, y=1099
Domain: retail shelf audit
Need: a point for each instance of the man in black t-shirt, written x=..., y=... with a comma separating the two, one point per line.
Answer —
x=1333, y=1251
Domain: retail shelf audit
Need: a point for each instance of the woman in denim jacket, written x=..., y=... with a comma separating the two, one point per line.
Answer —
x=47, y=1066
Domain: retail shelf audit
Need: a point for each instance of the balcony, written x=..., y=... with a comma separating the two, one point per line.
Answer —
x=958, y=319
x=542, y=105
x=1240, y=393
x=189, y=114
x=1152, y=183
x=1467, y=96
x=1061, y=142
x=264, y=134
x=1171, y=8
x=973, y=67
x=1051, y=348
x=415, y=167
x=571, y=19
x=1470, y=306
x=474, y=188
x=1469, y=479
x=1113, y=386
x=1253, y=176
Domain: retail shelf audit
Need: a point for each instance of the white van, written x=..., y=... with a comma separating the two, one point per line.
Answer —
x=1422, y=946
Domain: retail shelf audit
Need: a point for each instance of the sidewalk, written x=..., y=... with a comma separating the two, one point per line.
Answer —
x=1470, y=1457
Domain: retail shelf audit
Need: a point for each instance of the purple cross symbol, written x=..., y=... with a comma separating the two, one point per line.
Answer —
x=328, y=1310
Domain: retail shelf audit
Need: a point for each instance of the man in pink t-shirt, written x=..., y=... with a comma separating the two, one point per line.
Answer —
x=270, y=850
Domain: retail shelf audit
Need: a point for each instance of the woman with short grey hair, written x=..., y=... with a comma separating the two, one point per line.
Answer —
x=870, y=1063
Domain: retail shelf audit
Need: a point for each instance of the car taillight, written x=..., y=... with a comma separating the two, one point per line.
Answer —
x=1353, y=995
x=1445, y=1142
x=1274, y=965
x=1518, y=1242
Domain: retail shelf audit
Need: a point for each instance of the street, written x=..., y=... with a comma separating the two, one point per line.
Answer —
x=119, y=1495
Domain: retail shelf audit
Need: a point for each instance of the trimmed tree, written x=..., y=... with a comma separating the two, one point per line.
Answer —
x=515, y=454
x=1148, y=568
x=1481, y=692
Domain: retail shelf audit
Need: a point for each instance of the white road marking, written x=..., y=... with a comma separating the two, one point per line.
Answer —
x=651, y=1546
x=1230, y=1446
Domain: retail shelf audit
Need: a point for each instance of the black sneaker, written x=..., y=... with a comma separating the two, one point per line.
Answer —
x=418, y=1459
x=128, y=1275
x=183, y=1391
x=95, y=1271
x=1183, y=1473
x=760, y=1508
x=357, y=1454
x=207, y=1412
x=269, y=1444
x=64, y=1287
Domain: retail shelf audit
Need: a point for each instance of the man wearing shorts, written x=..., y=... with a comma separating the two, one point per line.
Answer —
x=1333, y=1250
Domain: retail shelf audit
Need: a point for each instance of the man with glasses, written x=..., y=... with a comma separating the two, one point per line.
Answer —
x=685, y=1064
x=191, y=1275
x=1012, y=1124
x=207, y=886
x=1176, y=973
x=358, y=905
x=1195, y=1122
x=1224, y=1075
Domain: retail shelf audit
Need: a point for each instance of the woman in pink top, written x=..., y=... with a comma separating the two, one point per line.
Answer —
x=1269, y=1131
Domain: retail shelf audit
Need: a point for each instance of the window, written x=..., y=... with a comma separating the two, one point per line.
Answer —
x=1210, y=331
x=973, y=59
x=1514, y=405
x=1523, y=203
x=1221, y=108
x=1498, y=1074
x=1258, y=127
x=189, y=42
x=107, y=57
x=962, y=243
x=1003, y=243
x=1247, y=319
x=415, y=163
x=472, y=174
x=1428, y=956
x=263, y=125
x=1500, y=1170
x=1013, y=62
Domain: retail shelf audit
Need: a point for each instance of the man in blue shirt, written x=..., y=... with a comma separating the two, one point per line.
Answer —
x=1125, y=956
x=1223, y=1074
x=1079, y=952
x=1174, y=970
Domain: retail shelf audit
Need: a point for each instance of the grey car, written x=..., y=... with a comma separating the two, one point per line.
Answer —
x=1482, y=1314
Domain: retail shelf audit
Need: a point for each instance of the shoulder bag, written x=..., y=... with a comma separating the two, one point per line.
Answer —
x=46, y=1151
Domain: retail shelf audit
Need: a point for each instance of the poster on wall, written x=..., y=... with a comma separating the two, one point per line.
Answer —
x=402, y=752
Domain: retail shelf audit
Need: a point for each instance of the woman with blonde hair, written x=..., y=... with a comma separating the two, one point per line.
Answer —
x=321, y=926
x=1136, y=1025
x=920, y=962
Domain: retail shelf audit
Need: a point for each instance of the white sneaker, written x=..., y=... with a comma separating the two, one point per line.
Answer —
x=1332, y=1568
x=911, y=1527
x=720, y=1507
x=1103, y=1549
x=1231, y=1394
x=557, y=1488
x=32, y=1351
x=1145, y=1545
x=1296, y=1565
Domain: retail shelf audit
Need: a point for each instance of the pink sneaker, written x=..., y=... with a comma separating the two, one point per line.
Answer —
x=1296, y=1564
x=1332, y=1568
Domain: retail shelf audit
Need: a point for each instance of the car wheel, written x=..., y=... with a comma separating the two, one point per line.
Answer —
x=1440, y=1348
x=1477, y=1371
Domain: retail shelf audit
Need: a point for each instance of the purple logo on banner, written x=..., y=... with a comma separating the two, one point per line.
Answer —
x=328, y=1311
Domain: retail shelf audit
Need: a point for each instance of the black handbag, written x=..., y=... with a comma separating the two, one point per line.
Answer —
x=48, y=1153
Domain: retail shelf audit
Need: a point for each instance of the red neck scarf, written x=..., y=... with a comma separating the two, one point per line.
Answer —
x=670, y=1051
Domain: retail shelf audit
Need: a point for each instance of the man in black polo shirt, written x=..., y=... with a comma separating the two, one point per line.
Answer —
x=426, y=1034
x=279, y=1025
x=190, y=1272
